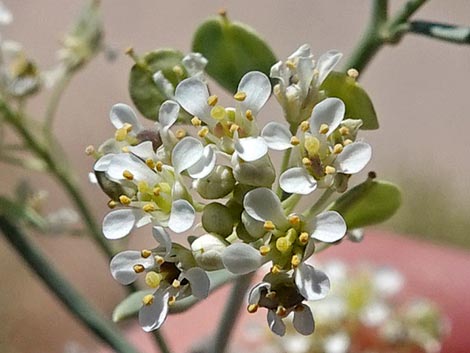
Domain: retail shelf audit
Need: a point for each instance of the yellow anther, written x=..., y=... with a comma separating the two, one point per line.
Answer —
x=120, y=134
x=271, y=295
x=249, y=115
x=212, y=100
x=295, y=261
x=178, y=70
x=145, y=253
x=143, y=187
x=304, y=126
x=306, y=162
x=281, y=311
x=347, y=142
x=127, y=127
x=290, y=64
x=153, y=279
x=303, y=238
x=159, y=166
x=138, y=268
x=283, y=244
x=150, y=163
x=112, y=203
x=171, y=300
x=125, y=149
x=343, y=130
x=269, y=226
x=156, y=190
x=196, y=121
x=312, y=145
x=125, y=200
x=150, y=207
x=180, y=133
x=324, y=128
x=159, y=260
x=264, y=250
x=234, y=127
x=330, y=170
x=203, y=132
x=275, y=269
x=338, y=148
x=176, y=283
x=148, y=299
x=294, y=219
x=240, y=96
x=294, y=141
x=252, y=308
x=353, y=73
x=128, y=175
x=89, y=150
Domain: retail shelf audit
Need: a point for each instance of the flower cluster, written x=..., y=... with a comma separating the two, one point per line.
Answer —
x=215, y=179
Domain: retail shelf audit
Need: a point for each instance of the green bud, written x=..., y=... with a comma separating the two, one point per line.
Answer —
x=217, y=184
x=216, y=218
x=243, y=234
x=257, y=173
x=207, y=251
x=113, y=189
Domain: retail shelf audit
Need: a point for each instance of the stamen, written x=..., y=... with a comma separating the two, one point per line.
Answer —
x=125, y=200
x=120, y=134
x=153, y=279
x=271, y=295
x=249, y=115
x=176, y=283
x=353, y=73
x=212, y=100
x=295, y=261
x=347, y=142
x=252, y=308
x=240, y=96
x=203, y=132
x=159, y=260
x=338, y=148
x=150, y=163
x=294, y=141
x=324, y=128
x=159, y=166
x=305, y=126
x=306, y=162
x=145, y=253
x=303, y=238
x=148, y=299
x=178, y=70
x=112, y=203
x=89, y=150
x=281, y=311
x=275, y=269
x=180, y=133
x=330, y=170
x=156, y=191
x=233, y=128
x=128, y=175
x=138, y=268
x=269, y=226
x=127, y=127
x=343, y=130
x=294, y=219
x=150, y=207
x=264, y=250
x=172, y=300
x=196, y=121
x=290, y=64
x=125, y=149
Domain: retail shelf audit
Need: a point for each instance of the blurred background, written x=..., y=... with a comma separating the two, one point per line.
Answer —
x=419, y=89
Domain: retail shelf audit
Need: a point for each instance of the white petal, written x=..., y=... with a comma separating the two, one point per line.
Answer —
x=388, y=281
x=204, y=165
x=311, y=283
x=337, y=343
x=302, y=52
x=263, y=205
x=151, y=317
x=121, y=114
x=275, y=323
x=251, y=148
x=194, y=63
x=122, y=265
x=5, y=15
x=305, y=72
x=163, y=84
x=278, y=72
x=199, y=281
x=330, y=112
x=143, y=150
x=102, y=164
x=353, y=158
x=192, y=94
x=257, y=87
x=328, y=227
x=255, y=292
x=326, y=64
x=277, y=136
x=168, y=113
x=303, y=320
x=297, y=181
x=186, y=153
x=241, y=258
x=163, y=238
x=254, y=227
x=182, y=216
x=127, y=161
x=119, y=223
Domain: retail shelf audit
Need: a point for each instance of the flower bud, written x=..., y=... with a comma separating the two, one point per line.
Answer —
x=207, y=250
x=217, y=184
x=257, y=173
x=216, y=218
x=112, y=189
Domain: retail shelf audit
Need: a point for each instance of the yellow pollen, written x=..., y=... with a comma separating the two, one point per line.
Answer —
x=304, y=126
x=295, y=261
x=172, y=300
x=353, y=73
x=196, y=121
x=283, y=244
x=159, y=166
x=150, y=207
x=180, y=133
x=178, y=70
x=112, y=203
x=125, y=149
x=148, y=299
x=303, y=238
x=150, y=163
x=252, y=308
x=212, y=100
x=281, y=311
x=234, y=127
x=120, y=134
x=294, y=219
x=159, y=260
x=269, y=225
x=264, y=250
x=138, y=268
x=338, y=148
x=343, y=130
x=145, y=253
x=275, y=269
x=156, y=191
x=306, y=162
x=347, y=142
x=323, y=129
x=240, y=96
x=127, y=127
x=294, y=141
x=89, y=150
x=153, y=279
x=290, y=64
x=128, y=175
x=203, y=132
x=249, y=115
x=176, y=283
x=125, y=200
x=330, y=170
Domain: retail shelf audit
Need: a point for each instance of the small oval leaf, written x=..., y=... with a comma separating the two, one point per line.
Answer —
x=233, y=49
x=370, y=202
x=357, y=101
x=145, y=94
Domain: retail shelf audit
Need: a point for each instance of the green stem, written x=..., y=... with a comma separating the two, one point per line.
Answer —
x=160, y=341
x=284, y=166
x=320, y=204
x=74, y=302
x=230, y=313
x=54, y=100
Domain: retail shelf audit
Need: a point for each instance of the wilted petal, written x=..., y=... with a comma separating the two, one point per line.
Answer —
x=241, y=258
x=143, y=150
x=326, y=64
x=255, y=292
x=277, y=136
x=168, y=113
x=275, y=323
x=328, y=227
x=121, y=114
x=311, y=283
x=192, y=94
x=204, y=165
x=122, y=265
x=186, y=153
x=199, y=281
x=182, y=216
x=118, y=223
x=263, y=205
x=330, y=112
x=353, y=158
x=163, y=238
x=303, y=320
x=297, y=181
x=257, y=87
x=152, y=316
x=251, y=148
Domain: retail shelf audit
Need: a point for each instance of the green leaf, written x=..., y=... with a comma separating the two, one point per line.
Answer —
x=143, y=91
x=357, y=101
x=370, y=202
x=233, y=49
